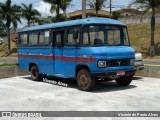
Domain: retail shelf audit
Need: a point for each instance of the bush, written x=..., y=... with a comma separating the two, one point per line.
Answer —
x=59, y=18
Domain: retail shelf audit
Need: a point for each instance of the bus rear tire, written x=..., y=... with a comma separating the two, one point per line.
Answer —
x=84, y=80
x=124, y=81
x=35, y=74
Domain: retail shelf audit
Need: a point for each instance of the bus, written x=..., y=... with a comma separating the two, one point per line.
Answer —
x=87, y=50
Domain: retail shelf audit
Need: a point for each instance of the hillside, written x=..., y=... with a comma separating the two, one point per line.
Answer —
x=140, y=37
x=4, y=49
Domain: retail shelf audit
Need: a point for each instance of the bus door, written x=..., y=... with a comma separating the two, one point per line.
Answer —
x=58, y=37
x=71, y=51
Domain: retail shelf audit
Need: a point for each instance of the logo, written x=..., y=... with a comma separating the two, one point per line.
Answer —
x=22, y=114
x=119, y=63
x=6, y=114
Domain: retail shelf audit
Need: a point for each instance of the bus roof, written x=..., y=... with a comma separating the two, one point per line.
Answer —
x=91, y=20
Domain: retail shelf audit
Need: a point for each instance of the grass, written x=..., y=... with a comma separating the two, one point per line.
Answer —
x=140, y=38
x=4, y=49
x=155, y=57
x=8, y=65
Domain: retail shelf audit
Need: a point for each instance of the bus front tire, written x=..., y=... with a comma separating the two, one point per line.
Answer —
x=85, y=81
x=124, y=81
x=35, y=74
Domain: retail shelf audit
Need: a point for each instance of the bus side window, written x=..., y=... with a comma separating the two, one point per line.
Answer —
x=23, y=39
x=44, y=38
x=73, y=36
x=33, y=38
x=58, y=37
x=85, y=36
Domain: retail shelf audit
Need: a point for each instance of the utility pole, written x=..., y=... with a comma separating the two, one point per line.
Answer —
x=83, y=8
x=110, y=6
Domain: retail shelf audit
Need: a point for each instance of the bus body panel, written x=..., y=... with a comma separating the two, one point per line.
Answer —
x=63, y=61
x=108, y=53
x=69, y=59
x=42, y=57
x=58, y=61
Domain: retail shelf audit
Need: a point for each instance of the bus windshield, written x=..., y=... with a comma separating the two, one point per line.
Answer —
x=101, y=35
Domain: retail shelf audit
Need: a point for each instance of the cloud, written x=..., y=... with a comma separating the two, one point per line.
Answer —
x=23, y=23
x=43, y=8
x=75, y=5
x=18, y=2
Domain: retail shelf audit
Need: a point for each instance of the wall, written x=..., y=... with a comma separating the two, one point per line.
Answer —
x=136, y=19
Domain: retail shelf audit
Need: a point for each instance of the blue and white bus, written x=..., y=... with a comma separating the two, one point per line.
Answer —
x=87, y=50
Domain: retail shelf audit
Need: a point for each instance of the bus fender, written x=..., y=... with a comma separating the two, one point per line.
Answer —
x=82, y=66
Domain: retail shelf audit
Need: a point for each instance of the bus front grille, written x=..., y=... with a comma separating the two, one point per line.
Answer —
x=118, y=62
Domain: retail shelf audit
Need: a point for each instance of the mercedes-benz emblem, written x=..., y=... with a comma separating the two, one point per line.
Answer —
x=119, y=63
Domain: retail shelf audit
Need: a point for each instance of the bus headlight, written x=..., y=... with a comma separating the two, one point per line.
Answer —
x=132, y=62
x=102, y=64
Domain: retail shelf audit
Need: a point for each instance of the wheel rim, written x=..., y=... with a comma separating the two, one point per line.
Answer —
x=34, y=72
x=83, y=80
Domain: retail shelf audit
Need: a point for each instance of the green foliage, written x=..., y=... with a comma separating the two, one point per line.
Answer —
x=57, y=5
x=11, y=14
x=43, y=22
x=148, y=5
x=2, y=30
x=140, y=37
x=65, y=4
x=29, y=13
x=61, y=18
x=116, y=14
x=96, y=4
x=8, y=65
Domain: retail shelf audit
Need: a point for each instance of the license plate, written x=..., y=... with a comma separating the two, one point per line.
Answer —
x=121, y=73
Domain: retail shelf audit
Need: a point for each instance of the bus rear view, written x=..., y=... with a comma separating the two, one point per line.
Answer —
x=87, y=50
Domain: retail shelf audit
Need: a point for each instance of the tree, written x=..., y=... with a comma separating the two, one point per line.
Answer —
x=57, y=5
x=96, y=4
x=64, y=5
x=62, y=17
x=148, y=5
x=29, y=13
x=2, y=30
x=2, y=27
x=116, y=15
x=11, y=16
x=83, y=9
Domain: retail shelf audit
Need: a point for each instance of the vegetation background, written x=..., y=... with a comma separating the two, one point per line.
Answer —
x=143, y=36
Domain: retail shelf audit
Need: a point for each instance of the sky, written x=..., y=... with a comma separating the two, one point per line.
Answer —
x=44, y=8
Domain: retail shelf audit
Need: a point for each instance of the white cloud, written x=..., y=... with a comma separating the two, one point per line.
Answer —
x=76, y=5
x=23, y=23
x=43, y=8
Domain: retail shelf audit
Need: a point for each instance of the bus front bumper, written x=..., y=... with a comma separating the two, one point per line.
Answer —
x=114, y=73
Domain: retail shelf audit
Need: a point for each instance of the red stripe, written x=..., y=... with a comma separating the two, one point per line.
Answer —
x=64, y=58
